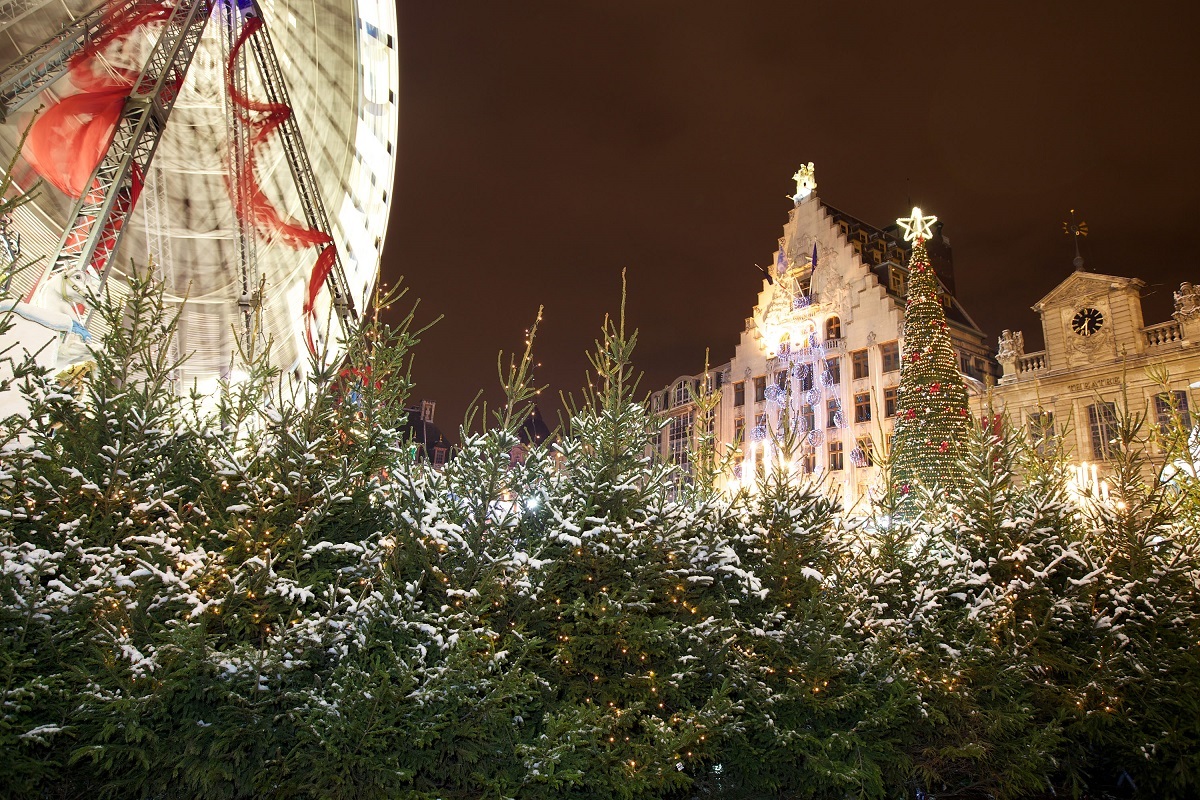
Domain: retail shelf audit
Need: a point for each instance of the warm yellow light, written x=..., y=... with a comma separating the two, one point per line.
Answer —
x=918, y=226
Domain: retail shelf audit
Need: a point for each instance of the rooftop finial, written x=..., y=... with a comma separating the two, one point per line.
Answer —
x=806, y=183
x=1075, y=230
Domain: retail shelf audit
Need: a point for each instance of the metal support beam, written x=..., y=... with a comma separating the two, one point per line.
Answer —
x=300, y=166
x=250, y=299
x=13, y=11
x=98, y=218
x=26, y=77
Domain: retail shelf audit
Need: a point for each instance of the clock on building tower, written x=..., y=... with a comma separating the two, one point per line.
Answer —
x=1087, y=321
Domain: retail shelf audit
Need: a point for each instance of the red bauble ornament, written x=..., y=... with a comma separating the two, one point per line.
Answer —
x=935, y=387
x=943, y=447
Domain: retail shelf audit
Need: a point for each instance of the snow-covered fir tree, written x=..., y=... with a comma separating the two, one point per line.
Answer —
x=268, y=596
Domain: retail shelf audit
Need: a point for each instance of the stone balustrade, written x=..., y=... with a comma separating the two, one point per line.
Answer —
x=1031, y=362
x=1166, y=333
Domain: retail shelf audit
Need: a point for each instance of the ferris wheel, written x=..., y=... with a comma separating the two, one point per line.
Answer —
x=243, y=150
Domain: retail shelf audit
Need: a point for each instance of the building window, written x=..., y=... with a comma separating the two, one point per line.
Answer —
x=971, y=366
x=833, y=413
x=833, y=328
x=808, y=418
x=889, y=401
x=862, y=407
x=833, y=369
x=439, y=457
x=739, y=429
x=863, y=453
x=806, y=377
x=1041, y=430
x=683, y=394
x=679, y=437
x=858, y=364
x=835, y=455
x=781, y=379
x=1102, y=418
x=739, y=393
x=896, y=280
x=891, y=356
x=808, y=461
x=1169, y=405
x=760, y=388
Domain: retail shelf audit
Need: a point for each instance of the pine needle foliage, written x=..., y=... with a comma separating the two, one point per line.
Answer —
x=263, y=593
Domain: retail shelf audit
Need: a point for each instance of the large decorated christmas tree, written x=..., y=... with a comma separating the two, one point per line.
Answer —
x=931, y=413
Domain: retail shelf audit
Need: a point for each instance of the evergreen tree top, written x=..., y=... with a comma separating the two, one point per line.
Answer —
x=931, y=414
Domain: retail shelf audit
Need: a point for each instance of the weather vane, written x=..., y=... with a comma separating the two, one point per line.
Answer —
x=917, y=227
x=1075, y=230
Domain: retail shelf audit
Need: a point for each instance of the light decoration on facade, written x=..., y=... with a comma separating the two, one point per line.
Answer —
x=801, y=385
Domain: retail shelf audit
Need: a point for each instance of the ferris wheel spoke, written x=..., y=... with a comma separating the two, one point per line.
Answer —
x=275, y=88
x=26, y=77
x=99, y=216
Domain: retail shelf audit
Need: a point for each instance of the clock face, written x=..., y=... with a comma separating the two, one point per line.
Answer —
x=1087, y=322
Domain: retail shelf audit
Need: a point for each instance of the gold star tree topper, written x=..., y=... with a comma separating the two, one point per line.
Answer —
x=918, y=227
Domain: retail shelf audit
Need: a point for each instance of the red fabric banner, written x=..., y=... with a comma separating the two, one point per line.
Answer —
x=263, y=119
x=70, y=137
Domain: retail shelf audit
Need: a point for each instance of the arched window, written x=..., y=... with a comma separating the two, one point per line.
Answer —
x=833, y=328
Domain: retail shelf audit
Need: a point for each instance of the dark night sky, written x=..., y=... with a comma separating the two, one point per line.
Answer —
x=544, y=146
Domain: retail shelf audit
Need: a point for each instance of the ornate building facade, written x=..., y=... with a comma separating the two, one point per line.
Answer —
x=812, y=381
x=1099, y=352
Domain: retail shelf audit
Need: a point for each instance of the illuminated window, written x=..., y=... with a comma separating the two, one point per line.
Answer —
x=835, y=455
x=896, y=280
x=739, y=429
x=808, y=418
x=760, y=388
x=891, y=356
x=833, y=328
x=832, y=413
x=862, y=407
x=858, y=364
x=739, y=393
